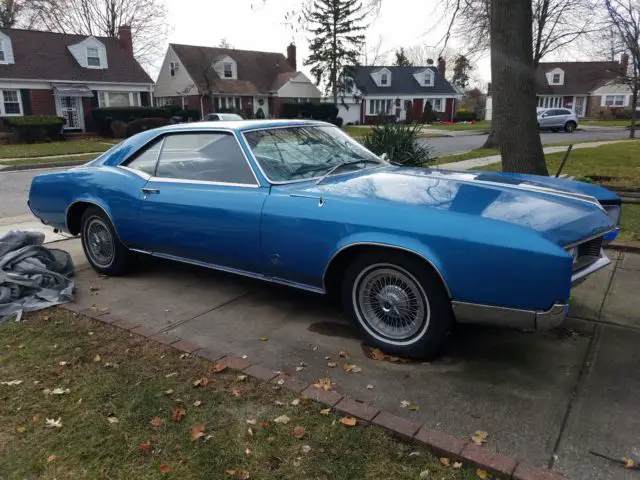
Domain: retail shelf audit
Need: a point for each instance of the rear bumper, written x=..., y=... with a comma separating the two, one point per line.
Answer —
x=510, y=317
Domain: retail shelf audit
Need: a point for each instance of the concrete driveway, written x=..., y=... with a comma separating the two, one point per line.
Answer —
x=544, y=398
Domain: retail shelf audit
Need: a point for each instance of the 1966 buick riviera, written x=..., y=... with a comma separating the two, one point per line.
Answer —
x=409, y=251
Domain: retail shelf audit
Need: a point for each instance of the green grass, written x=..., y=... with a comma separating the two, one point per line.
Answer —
x=481, y=125
x=53, y=148
x=630, y=223
x=135, y=380
x=357, y=130
x=79, y=159
x=478, y=153
x=608, y=123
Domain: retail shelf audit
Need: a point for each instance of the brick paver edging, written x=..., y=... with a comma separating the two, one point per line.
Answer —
x=440, y=443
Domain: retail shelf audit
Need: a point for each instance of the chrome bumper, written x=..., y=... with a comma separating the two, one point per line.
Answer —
x=510, y=317
x=581, y=275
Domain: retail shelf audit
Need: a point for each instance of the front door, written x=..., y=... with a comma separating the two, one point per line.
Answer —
x=579, y=105
x=70, y=108
x=202, y=202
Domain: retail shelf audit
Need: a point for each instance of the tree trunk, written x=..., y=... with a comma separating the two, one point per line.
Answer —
x=492, y=139
x=513, y=82
x=634, y=111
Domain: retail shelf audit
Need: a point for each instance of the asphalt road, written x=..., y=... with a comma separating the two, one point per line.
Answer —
x=14, y=186
x=450, y=145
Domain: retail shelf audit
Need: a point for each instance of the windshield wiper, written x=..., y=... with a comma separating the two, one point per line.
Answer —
x=337, y=167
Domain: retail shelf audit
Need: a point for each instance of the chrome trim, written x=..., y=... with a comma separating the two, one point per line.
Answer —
x=581, y=275
x=386, y=245
x=588, y=239
x=321, y=124
x=139, y=173
x=244, y=273
x=201, y=182
x=475, y=313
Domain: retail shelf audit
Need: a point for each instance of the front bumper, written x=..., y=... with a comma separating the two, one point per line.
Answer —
x=581, y=275
x=510, y=317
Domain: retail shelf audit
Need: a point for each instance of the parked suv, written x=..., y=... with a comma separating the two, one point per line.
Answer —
x=219, y=117
x=555, y=119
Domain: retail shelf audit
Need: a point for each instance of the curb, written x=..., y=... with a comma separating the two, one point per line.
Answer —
x=34, y=166
x=624, y=247
x=439, y=443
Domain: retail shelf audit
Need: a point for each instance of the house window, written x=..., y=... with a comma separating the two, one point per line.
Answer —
x=3, y=58
x=231, y=102
x=556, y=78
x=93, y=57
x=172, y=67
x=379, y=107
x=384, y=79
x=11, y=104
x=119, y=99
x=615, y=100
x=428, y=78
x=436, y=103
x=228, y=70
x=549, y=102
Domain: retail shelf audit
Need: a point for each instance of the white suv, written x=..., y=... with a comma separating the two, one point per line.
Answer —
x=555, y=119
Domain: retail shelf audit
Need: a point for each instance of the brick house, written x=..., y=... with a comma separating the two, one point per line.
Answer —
x=209, y=79
x=585, y=87
x=46, y=73
x=401, y=92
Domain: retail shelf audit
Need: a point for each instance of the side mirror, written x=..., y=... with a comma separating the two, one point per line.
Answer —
x=384, y=157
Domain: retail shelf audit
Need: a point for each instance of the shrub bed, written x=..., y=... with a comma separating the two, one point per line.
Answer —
x=33, y=128
x=104, y=116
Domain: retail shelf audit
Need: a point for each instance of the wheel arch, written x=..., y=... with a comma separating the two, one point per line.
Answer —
x=341, y=257
x=77, y=208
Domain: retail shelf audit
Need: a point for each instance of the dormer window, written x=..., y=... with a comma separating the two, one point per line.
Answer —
x=228, y=70
x=555, y=77
x=384, y=79
x=93, y=57
x=6, y=51
x=425, y=78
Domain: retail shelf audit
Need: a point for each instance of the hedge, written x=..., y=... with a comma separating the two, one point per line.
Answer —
x=34, y=128
x=187, y=115
x=104, y=116
x=465, y=116
x=143, y=124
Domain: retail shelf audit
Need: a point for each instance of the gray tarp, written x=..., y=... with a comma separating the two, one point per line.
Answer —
x=32, y=276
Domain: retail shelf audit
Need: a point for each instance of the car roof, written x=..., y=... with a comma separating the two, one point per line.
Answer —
x=243, y=125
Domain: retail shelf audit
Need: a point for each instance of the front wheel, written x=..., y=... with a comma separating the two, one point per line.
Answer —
x=570, y=127
x=398, y=304
x=100, y=242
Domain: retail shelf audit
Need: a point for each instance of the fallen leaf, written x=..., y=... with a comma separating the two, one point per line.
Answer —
x=264, y=424
x=457, y=465
x=445, y=461
x=94, y=288
x=197, y=403
x=244, y=357
x=414, y=454
x=164, y=468
x=282, y=419
x=145, y=447
x=63, y=363
x=480, y=437
x=252, y=421
x=295, y=402
x=313, y=347
x=51, y=423
x=218, y=367
x=243, y=475
x=343, y=354
x=370, y=386
x=112, y=419
x=247, y=452
x=305, y=448
x=250, y=431
x=168, y=392
x=59, y=391
x=236, y=392
x=274, y=463
x=280, y=382
x=97, y=358
x=424, y=474
x=327, y=357
x=51, y=458
x=332, y=364
x=324, y=383
x=263, y=339
x=201, y=382
x=11, y=382
x=279, y=403
x=482, y=474
x=178, y=414
x=110, y=365
x=197, y=431
x=298, y=432
x=325, y=411
x=297, y=462
x=409, y=406
x=21, y=429
x=628, y=463
x=348, y=421
x=184, y=355
x=299, y=368
x=230, y=472
x=351, y=368
x=156, y=421
x=172, y=374
x=377, y=354
x=241, y=378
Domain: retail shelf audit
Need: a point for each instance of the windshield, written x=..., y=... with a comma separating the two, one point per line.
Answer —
x=306, y=152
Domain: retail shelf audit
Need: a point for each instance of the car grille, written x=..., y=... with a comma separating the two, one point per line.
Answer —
x=588, y=253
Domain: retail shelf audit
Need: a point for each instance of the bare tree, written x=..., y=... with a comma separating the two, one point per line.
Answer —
x=224, y=43
x=372, y=53
x=624, y=16
x=147, y=19
x=9, y=12
x=423, y=55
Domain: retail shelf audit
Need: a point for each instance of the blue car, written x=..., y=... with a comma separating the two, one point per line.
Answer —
x=409, y=251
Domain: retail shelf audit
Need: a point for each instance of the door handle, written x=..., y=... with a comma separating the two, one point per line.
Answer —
x=149, y=191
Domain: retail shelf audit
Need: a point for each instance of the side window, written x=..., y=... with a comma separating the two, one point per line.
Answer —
x=212, y=157
x=146, y=161
x=565, y=112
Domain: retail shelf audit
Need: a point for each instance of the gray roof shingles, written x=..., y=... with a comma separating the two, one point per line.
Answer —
x=579, y=77
x=402, y=81
x=45, y=56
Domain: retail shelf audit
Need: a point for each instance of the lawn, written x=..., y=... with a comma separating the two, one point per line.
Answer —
x=53, y=148
x=129, y=408
x=79, y=159
x=481, y=125
x=608, y=123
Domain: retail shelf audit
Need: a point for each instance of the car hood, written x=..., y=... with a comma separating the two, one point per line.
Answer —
x=564, y=214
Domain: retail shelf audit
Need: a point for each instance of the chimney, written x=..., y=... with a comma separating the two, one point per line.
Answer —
x=624, y=63
x=442, y=65
x=124, y=35
x=291, y=56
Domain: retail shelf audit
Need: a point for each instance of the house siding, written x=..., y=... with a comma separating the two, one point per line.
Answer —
x=42, y=102
x=449, y=109
x=593, y=105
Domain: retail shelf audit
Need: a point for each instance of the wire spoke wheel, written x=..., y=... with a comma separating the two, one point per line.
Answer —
x=99, y=242
x=391, y=302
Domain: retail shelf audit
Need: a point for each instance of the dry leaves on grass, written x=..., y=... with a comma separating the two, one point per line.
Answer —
x=332, y=364
x=241, y=378
x=218, y=367
x=97, y=358
x=457, y=465
x=164, y=468
x=283, y=419
x=343, y=354
x=112, y=419
x=305, y=449
x=482, y=474
x=324, y=384
x=240, y=474
x=370, y=386
x=156, y=421
x=145, y=447
x=178, y=414
x=325, y=411
x=298, y=432
x=348, y=421
x=201, y=382
x=11, y=383
x=197, y=403
x=197, y=431
x=56, y=391
x=51, y=458
x=236, y=392
x=480, y=437
x=51, y=423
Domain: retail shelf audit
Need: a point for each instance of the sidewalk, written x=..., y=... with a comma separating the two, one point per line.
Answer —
x=484, y=161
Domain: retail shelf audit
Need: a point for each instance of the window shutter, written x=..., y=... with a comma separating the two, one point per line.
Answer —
x=26, y=101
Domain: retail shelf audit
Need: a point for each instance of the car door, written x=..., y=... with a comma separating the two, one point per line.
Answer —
x=549, y=118
x=202, y=201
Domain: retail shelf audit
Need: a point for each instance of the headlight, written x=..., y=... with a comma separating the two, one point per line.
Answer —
x=613, y=211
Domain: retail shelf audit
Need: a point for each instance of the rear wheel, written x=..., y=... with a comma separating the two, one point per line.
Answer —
x=104, y=250
x=397, y=304
x=569, y=127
